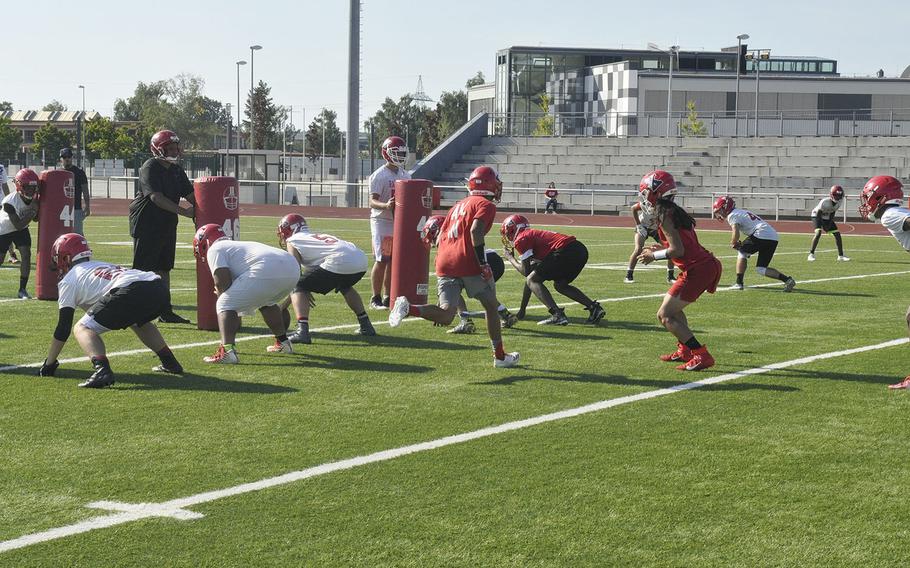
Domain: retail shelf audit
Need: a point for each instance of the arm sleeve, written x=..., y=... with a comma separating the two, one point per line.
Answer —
x=64, y=324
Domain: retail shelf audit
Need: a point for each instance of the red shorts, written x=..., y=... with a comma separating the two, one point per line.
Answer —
x=696, y=280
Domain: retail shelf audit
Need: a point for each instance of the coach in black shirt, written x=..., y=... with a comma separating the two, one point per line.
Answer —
x=154, y=211
x=82, y=198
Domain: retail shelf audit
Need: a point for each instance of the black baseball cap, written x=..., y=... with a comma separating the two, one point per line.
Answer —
x=66, y=153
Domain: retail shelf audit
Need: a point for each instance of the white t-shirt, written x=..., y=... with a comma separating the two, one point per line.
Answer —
x=647, y=220
x=3, y=178
x=14, y=199
x=893, y=220
x=240, y=257
x=751, y=225
x=87, y=282
x=329, y=253
x=827, y=207
x=382, y=182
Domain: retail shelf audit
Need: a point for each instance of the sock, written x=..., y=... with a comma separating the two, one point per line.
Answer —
x=692, y=343
x=414, y=311
x=23, y=282
x=739, y=278
x=783, y=277
x=281, y=338
x=498, y=351
x=166, y=355
x=386, y=300
x=376, y=299
x=629, y=274
x=362, y=317
x=840, y=243
x=669, y=273
x=228, y=346
x=504, y=312
x=101, y=362
x=304, y=324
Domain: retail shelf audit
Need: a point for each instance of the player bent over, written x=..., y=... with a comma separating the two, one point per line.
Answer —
x=430, y=235
x=113, y=297
x=882, y=200
x=645, y=226
x=461, y=263
x=823, y=218
x=700, y=270
x=558, y=257
x=329, y=264
x=248, y=276
x=762, y=239
x=19, y=209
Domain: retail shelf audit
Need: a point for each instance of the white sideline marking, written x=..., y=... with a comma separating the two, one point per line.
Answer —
x=353, y=326
x=175, y=508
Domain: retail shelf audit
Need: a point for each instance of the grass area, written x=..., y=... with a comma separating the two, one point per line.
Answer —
x=798, y=466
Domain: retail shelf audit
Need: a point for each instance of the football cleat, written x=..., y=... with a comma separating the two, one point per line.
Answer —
x=629, y=281
x=366, y=329
x=223, y=357
x=376, y=304
x=670, y=278
x=102, y=377
x=904, y=384
x=399, y=312
x=23, y=294
x=13, y=258
x=300, y=336
x=736, y=286
x=701, y=359
x=507, y=321
x=281, y=347
x=811, y=257
x=842, y=258
x=559, y=318
x=682, y=353
x=510, y=360
x=789, y=285
x=172, y=368
x=597, y=313
x=465, y=326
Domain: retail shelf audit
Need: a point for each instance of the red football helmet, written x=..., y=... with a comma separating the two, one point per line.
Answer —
x=26, y=181
x=395, y=151
x=653, y=186
x=66, y=250
x=206, y=236
x=485, y=181
x=289, y=225
x=159, y=144
x=878, y=191
x=722, y=207
x=431, y=228
x=837, y=192
x=511, y=226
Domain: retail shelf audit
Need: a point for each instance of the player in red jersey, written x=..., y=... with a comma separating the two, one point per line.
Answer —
x=461, y=263
x=700, y=270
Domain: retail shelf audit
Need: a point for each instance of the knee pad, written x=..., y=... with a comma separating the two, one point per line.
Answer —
x=761, y=269
x=742, y=255
x=818, y=232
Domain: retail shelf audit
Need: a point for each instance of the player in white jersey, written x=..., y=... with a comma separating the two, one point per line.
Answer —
x=382, y=206
x=823, y=219
x=760, y=238
x=4, y=191
x=19, y=209
x=248, y=276
x=329, y=263
x=882, y=200
x=645, y=226
x=113, y=297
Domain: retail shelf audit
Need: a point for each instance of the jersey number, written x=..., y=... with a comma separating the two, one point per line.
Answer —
x=67, y=215
x=231, y=228
x=458, y=212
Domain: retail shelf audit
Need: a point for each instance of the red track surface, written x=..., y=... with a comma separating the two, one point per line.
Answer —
x=114, y=207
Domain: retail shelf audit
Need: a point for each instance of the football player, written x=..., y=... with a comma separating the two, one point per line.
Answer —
x=823, y=218
x=382, y=206
x=557, y=257
x=113, y=297
x=700, y=270
x=430, y=234
x=248, y=276
x=645, y=226
x=19, y=209
x=329, y=264
x=882, y=200
x=461, y=263
x=4, y=190
x=761, y=239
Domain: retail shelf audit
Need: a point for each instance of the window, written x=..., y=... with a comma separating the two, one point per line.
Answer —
x=827, y=67
x=811, y=66
x=650, y=64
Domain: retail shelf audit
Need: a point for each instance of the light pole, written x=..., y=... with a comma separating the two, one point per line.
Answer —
x=253, y=50
x=239, y=63
x=739, y=50
x=322, y=161
x=757, y=56
x=673, y=51
x=82, y=152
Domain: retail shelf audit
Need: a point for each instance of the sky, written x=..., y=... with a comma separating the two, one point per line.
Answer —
x=109, y=46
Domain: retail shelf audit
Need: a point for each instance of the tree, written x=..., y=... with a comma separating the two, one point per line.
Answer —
x=51, y=139
x=313, y=137
x=692, y=126
x=545, y=123
x=10, y=140
x=267, y=117
x=6, y=106
x=475, y=81
x=453, y=111
x=402, y=118
x=146, y=103
x=54, y=106
x=104, y=140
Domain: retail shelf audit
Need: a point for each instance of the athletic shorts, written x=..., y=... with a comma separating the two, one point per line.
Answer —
x=764, y=247
x=565, y=263
x=21, y=238
x=136, y=303
x=381, y=231
x=696, y=280
x=497, y=265
x=322, y=281
x=449, y=289
x=248, y=292
x=155, y=253
x=827, y=225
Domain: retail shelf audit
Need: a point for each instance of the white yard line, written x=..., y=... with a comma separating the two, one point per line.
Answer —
x=177, y=508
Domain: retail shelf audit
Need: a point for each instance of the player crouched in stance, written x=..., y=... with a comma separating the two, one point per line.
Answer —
x=248, y=276
x=700, y=271
x=430, y=235
x=19, y=209
x=762, y=239
x=547, y=255
x=461, y=263
x=823, y=218
x=329, y=264
x=113, y=298
x=645, y=226
x=881, y=200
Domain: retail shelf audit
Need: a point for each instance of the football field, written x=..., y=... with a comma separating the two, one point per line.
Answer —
x=409, y=449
